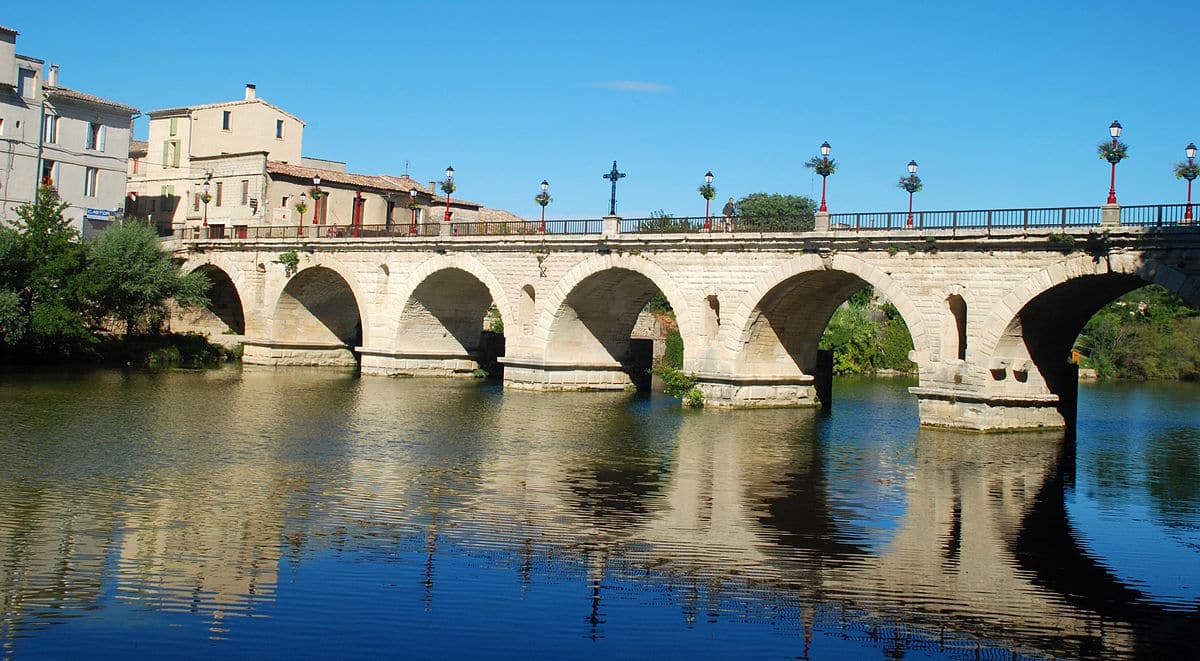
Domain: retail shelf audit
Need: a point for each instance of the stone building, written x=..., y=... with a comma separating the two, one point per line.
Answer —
x=248, y=152
x=50, y=132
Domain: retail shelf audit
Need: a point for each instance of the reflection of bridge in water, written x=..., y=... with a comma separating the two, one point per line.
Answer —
x=981, y=545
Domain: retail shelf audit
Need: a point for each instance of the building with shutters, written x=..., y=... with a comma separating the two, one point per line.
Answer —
x=52, y=133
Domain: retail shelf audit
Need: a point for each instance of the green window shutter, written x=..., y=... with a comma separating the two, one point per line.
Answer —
x=174, y=125
x=176, y=155
x=166, y=152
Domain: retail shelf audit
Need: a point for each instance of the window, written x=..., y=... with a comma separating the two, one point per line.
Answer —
x=170, y=154
x=90, y=175
x=283, y=202
x=195, y=201
x=95, y=136
x=137, y=162
x=174, y=126
x=279, y=128
x=50, y=134
x=245, y=192
x=49, y=172
x=1, y=126
x=225, y=119
x=25, y=83
x=219, y=191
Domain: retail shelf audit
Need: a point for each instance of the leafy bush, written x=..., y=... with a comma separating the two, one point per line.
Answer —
x=676, y=382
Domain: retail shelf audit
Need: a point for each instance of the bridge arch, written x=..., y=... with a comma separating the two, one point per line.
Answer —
x=319, y=309
x=778, y=323
x=443, y=304
x=226, y=311
x=1026, y=341
x=591, y=312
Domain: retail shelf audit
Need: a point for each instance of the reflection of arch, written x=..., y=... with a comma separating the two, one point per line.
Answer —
x=224, y=310
x=318, y=307
x=779, y=322
x=592, y=311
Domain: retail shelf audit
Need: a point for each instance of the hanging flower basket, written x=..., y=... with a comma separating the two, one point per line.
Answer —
x=822, y=165
x=707, y=191
x=448, y=187
x=1187, y=171
x=911, y=183
x=1113, y=153
x=543, y=199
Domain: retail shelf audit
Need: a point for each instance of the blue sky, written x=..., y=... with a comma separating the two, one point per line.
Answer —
x=1002, y=105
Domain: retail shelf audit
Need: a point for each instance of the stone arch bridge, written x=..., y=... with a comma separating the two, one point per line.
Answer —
x=993, y=312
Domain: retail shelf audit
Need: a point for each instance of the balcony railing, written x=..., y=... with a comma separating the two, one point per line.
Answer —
x=986, y=220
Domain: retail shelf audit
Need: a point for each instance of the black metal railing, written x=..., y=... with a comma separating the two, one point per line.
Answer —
x=1061, y=218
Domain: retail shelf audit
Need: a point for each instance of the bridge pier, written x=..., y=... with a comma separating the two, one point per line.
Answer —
x=383, y=362
x=734, y=392
x=298, y=354
x=536, y=374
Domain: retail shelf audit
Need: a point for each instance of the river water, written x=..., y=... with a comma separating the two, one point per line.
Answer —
x=285, y=513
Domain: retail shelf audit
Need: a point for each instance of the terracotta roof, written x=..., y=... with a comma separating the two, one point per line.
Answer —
x=182, y=110
x=334, y=177
x=139, y=147
x=487, y=215
x=68, y=94
x=8, y=30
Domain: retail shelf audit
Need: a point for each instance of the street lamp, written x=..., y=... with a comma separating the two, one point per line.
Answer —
x=205, y=198
x=412, y=204
x=301, y=208
x=1188, y=171
x=1113, y=154
x=448, y=188
x=912, y=184
x=543, y=199
x=317, y=195
x=708, y=193
x=824, y=169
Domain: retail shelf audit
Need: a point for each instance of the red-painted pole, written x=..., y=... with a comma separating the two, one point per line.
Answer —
x=823, y=178
x=707, y=221
x=1187, y=212
x=413, y=229
x=910, y=209
x=206, y=214
x=447, y=207
x=316, y=206
x=357, y=212
x=300, y=227
x=1112, y=182
x=543, y=219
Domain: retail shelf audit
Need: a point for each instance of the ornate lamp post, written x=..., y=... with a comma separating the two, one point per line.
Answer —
x=301, y=208
x=708, y=193
x=1188, y=171
x=205, y=198
x=824, y=166
x=316, y=196
x=448, y=188
x=543, y=198
x=912, y=184
x=412, y=204
x=1113, y=153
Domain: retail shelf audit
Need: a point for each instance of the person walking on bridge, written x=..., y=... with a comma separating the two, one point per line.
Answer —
x=727, y=214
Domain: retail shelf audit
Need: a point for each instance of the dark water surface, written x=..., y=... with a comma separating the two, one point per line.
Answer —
x=301, y=513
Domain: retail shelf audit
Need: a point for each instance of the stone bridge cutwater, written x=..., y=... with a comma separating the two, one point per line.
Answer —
x=993, y=307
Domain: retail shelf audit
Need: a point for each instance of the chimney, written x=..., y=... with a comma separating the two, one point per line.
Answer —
x=251, y=92
x=52, y=76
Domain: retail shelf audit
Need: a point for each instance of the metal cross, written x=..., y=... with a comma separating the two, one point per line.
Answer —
x=613, y=177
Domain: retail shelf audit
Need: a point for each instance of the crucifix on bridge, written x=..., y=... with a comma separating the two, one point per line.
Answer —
x=613, y=177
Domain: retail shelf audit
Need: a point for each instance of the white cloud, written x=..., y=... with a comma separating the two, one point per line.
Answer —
x=632, y=86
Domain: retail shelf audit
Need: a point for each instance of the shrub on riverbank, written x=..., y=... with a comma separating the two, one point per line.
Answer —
x=1148, y=333
x=166, y=350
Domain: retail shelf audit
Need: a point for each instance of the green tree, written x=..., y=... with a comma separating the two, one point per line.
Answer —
x=130, y=278
x=776, y=212
x=44, y=267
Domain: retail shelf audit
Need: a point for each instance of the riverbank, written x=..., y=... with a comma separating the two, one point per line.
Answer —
x=186, y=350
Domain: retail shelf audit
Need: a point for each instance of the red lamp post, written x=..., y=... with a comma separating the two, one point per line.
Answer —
x=317, y=195
x=1189, y=173
x=448, y=188
x=412, y=204
x=1115, y=157
x=708, y=193
x=824, y=172
x=912, y=184
x=301, y=207
x=205, y=198
x=543, y=199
